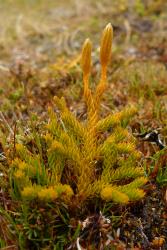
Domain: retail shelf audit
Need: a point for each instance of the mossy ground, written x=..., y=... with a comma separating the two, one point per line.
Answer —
x=40, y=44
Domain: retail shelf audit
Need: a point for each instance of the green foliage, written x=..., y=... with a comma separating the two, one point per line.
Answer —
x=162, y=177
x=139, y=7
x=16, y=95
x=2, y=243
x=158, y=167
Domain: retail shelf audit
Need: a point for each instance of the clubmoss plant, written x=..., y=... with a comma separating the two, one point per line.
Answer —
x=74, y=161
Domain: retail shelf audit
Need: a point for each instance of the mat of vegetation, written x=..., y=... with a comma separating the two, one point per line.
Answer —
x=83, y=124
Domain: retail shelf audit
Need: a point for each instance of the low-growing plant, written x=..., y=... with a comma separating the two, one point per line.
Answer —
x=70, y=163
x=158, y=167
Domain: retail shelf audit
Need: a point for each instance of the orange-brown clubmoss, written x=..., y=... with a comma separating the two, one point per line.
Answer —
x=80, y=162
